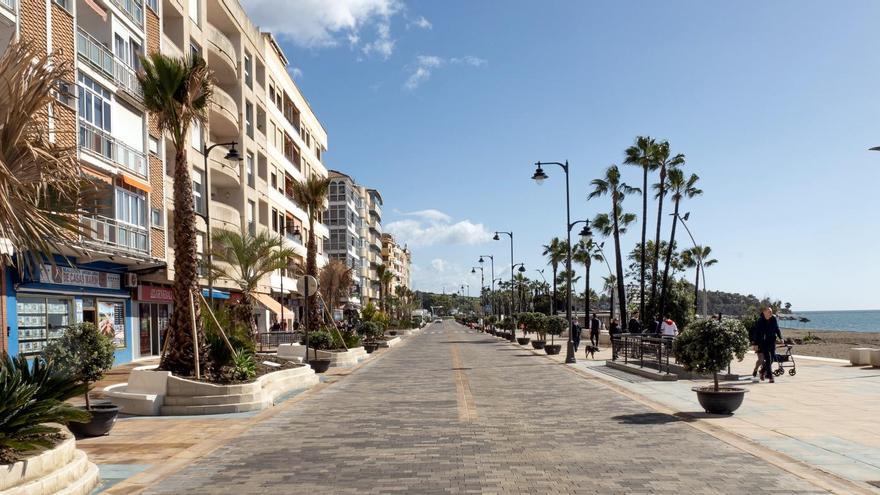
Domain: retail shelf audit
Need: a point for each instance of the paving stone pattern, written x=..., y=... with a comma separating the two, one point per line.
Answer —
x=395, y=426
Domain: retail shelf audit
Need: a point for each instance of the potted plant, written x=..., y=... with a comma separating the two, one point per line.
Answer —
x=708, y=346
x=539, y=327
x=527, y=320
x=372, y=332
x=86, y=353
x=490, y=323
x=319, y=340
x=555, y=325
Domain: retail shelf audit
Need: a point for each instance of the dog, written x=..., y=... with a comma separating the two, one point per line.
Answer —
x=590, y=351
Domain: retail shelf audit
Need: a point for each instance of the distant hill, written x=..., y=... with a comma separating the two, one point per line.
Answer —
x=734, y=304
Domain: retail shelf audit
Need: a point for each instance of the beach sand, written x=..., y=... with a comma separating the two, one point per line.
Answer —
x=833, y=344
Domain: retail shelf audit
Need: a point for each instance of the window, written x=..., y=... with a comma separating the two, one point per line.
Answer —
x=40, y=320
x=194, y=49
x=65, y=94
x=94, y=103
x=249, y=118
x=248, y=70
x=153, y=145
x=154, y=5
x=131, y=207
x=194, y=7
x=196, y=135
x=156, y=217
x=198, y=191
x=251, y=215
x=65, y=4
x=273, y=178
x=249, y=169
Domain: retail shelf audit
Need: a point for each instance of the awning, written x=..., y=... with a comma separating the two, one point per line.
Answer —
x=136, y=183
x=267, y=301
x=218, y=294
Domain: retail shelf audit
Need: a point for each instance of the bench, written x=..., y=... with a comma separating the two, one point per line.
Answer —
x=143, y=395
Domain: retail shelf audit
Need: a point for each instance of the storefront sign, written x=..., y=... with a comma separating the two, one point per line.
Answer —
x=66, y=275
x=155, y=293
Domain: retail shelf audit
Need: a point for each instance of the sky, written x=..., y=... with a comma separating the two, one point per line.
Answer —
x=444, y=106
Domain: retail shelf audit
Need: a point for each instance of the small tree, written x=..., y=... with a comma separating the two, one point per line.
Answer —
x=555, y=325
x=370, y=330
x=320, y=340
x=84, y=352
x=709, y=345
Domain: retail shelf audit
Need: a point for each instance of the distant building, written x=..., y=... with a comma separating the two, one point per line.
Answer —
x=398, y=259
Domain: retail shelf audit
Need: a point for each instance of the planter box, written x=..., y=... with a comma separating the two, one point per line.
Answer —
x=188, y=397
x=337, y=359
x=864, y=356
x=390, y=343
x=63, y=469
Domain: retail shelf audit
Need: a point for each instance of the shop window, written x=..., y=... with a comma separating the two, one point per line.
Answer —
x=40, y=320
x=111, y=321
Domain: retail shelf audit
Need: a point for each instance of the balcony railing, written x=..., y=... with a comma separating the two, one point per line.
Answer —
x=126, y=78
x=98, y=142
x=133, y=9
x=112, y=233
x=93, y=51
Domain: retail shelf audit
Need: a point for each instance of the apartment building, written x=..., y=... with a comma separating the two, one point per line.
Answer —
x=397, y=259
x=123, y=267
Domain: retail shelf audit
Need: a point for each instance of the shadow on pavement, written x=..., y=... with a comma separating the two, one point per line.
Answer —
x=468, y=342
x=646, y=419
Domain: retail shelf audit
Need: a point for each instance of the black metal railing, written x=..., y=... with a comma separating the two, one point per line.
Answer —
x=271, y=340
x=642, y=350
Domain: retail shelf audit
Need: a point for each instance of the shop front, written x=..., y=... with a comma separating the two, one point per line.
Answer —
x=42, y=305
x=154, y=312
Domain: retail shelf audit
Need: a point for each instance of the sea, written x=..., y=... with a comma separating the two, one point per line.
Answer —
x=844, y=321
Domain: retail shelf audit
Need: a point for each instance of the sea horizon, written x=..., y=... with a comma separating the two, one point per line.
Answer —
x=843, y=320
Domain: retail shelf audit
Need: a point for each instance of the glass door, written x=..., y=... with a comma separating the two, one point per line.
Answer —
x=145, y=331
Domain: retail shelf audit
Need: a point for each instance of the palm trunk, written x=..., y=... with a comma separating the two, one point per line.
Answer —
x=611, y=311
x=697, y=290
x=644, y=247
x=654, y=278
x=312, y=270
x=179, y=358
x=553, y=300
x=621, y=294
x=664, y=290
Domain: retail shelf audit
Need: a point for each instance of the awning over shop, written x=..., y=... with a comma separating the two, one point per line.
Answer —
x=218, y=294
x=267, y=301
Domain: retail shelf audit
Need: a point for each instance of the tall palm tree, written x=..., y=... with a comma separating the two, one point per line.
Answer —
x=610, y=284
x=665, y=161
x=641, y=154
x=386, y=276
x=556, y=252
x=335, y=282
x=696, y=257
x=584, y=253
x=311, y=195
x=177, y=92
x=680, y=188
x=245, y=259
x=611, y=185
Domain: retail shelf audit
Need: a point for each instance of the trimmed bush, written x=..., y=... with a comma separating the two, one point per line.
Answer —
x=555, y=325
x=709, y=345
x=83, y=352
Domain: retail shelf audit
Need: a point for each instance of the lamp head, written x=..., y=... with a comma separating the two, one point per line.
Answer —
x=686, y=216
x=539, y=176
x=522, y=269
x=233, y=154
x=481, y=259
x=586, y=234
x=473, y=270
x=497, y=237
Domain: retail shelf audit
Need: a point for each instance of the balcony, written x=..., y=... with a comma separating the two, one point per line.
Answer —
x=224, y=114
x=225, y=173
x=100, y=143
x=225, y=216
x=95, y=54
x=169, y=48
x=222, y=55
x=107, y=232
x=133, y=9
x=126, y=79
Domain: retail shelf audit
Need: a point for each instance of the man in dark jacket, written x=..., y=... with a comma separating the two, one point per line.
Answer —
x=765, y=333
x=594, y=331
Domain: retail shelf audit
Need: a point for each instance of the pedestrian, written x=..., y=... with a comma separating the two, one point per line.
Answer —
x=668, y=329
x=767, y=333
x=753, y=341
x=634, y=325
x=575, y=334
x=614, y=328
x=655, y=326
x=284, y=326
x=275, y=326
x=594, y=331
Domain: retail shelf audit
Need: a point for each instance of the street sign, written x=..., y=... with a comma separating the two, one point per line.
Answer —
x=312, y=285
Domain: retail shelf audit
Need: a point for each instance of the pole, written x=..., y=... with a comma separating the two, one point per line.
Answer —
x=306, y=307
x=281, y=243
x=195, y=336
x=208, y=224
x=569, y=355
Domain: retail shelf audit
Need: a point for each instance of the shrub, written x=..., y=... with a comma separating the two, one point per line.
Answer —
x=709, y=345
x=370, y=330
x=239, y=336
x=555, y=325
x=31, y=396
x=83, y=352
x=342, y=339
x=244, y=365
x=319, y=340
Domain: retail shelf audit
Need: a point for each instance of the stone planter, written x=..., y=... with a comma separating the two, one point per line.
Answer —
x=390, y=342
x=538, y=344
x=63, y=469
x=724, y=401
x=522, y=340
x=103, y=419
x=552, y=349
x=338, y=359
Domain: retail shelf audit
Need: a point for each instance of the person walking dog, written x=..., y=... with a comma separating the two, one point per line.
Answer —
x=594, y=331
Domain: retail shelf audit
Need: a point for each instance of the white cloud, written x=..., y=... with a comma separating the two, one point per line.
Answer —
x=437, y=228
x=426, y=64
x=420, y=23
x=295, y=72
x=439, y=265
x=323, y=23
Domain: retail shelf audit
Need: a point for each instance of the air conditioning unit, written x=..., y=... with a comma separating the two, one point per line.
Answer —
x=131, y=280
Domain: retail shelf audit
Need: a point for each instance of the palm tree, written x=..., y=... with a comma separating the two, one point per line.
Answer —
x=680, y=188
x=245, y=259
x=641, y=154
x=697, y=257
x=335, y=282
x=311, y=194
x=177, y=92
x=584, y=253
x=386, y=276
x=611, y=185
x=610, y=284
x=556, y=253
x=665, y=163
x=42, y=184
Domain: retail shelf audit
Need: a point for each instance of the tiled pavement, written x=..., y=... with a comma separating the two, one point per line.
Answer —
x=459, y=412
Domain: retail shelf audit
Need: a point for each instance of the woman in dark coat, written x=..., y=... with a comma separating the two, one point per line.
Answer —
x=765, y=335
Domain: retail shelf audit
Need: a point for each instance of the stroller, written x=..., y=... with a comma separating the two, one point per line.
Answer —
x=784, y=359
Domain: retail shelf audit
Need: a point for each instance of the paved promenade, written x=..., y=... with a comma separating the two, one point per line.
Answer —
x=454, y=411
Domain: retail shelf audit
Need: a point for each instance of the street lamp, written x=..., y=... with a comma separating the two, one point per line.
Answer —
x=702, y=268
x=539, y=177
x=482, y=284
x=492, y=259
x=498, y=238
x=586, y=236
x=231, y=154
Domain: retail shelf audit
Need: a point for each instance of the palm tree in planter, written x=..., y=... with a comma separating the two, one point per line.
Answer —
x=177, y=93
x=311, y=195
x=246, y=259
x=680, y=188
x=611, y=185
x=85, y=354
x=708, y=346
x=554, y=325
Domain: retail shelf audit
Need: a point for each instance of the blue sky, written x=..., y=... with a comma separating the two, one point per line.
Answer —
x=444, y=106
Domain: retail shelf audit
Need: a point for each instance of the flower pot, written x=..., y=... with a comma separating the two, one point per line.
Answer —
x=538, y=344
x=552, y=349
x=319, y=365
x=724, y=401
x=103, y=419
x=392, y=332
x=522, y=340
x=370, y=347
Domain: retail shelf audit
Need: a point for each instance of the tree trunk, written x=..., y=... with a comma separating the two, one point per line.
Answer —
x=611, y=311
x=88, y=402
x=715, y=377
x=654, y=278
x=621, y=294
x=697, y=290
x=180, y=352
x=311, y=269
x=664, y=289
x=644, y=247
x=553, y=300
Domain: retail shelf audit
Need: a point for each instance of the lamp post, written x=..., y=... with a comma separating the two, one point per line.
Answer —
x=539, y=177
x=492, y=259
x=521, y=270
x=586, y=235
x=702, y=268
x=482, y=285
x=231, y=154
x=498, y=238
